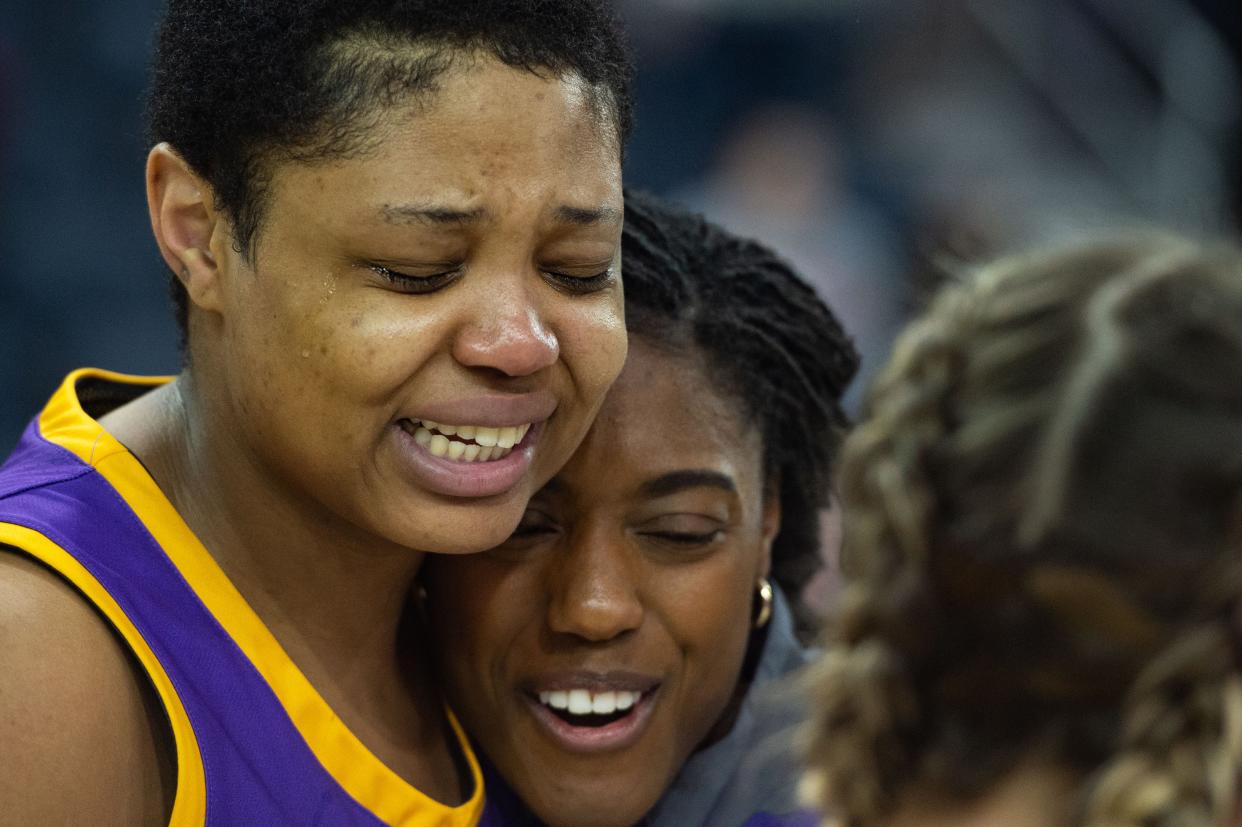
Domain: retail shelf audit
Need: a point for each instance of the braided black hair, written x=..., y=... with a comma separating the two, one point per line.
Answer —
x=766, y=337
x=238, y=83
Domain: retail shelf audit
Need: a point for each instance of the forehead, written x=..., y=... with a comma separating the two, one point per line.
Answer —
x=479, y=90
x=484, y=127
x=665, y=414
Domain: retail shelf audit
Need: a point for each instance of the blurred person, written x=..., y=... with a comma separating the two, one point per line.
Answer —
x=394, y=233
x=619, y=658
x=1043, y=513
x=781, y=176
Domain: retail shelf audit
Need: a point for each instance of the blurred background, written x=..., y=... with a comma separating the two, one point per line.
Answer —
x=874, y=142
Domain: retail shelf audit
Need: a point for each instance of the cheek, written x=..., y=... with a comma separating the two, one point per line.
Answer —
x=478, y=609
x=373, y=347
x=358, y=349
x=708, y=613
x=705, y=611
x=714, y=594
x=593, y=346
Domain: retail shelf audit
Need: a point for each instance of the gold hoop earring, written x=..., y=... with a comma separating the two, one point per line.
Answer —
x=765, y=603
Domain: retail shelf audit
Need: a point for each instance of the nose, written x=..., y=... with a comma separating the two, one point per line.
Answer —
x=594, y=590
x=508, y=332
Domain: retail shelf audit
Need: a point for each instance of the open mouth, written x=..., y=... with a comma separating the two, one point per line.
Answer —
x=465, y=443
x=594, y=716
x=583, y=708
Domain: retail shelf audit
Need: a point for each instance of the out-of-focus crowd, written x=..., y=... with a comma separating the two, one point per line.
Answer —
x=877, y=144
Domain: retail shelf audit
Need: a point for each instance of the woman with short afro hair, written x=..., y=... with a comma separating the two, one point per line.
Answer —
x=393, y=228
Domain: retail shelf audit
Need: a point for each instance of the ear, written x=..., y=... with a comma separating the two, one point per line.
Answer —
x=184, y=219
x=771, y=524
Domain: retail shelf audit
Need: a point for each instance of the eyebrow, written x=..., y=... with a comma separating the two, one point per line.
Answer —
x=584, y=217
x=675, y=481
x=430, y=214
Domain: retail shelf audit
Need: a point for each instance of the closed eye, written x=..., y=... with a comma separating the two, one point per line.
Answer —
x=685, y=539
x=571, y=283
x=416, y=285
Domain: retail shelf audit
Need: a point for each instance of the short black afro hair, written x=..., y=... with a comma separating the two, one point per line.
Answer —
x=238, y=83
x=767, y=339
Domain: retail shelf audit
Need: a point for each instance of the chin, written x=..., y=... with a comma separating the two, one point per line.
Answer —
x=459, y=529
x=448, y=525
x=456, y=544
x=445, y=539
x=592, y=801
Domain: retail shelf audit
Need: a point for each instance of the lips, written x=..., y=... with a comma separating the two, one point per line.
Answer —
x=457, y=477
x=490, y=411
x=593, y=712
x=480, y=446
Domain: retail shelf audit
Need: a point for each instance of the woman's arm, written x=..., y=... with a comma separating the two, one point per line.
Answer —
x=79, y=739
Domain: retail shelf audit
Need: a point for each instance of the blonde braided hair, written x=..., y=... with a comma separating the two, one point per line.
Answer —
x=1180, y=747
x=1013, y=587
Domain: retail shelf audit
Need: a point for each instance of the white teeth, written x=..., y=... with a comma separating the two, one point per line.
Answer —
x=439, y=445
x=579, y=702
x=584, y=702
x=474, y=443
x=605, y=703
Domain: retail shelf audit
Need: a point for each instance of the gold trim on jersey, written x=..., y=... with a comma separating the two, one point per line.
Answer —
x=190, y=802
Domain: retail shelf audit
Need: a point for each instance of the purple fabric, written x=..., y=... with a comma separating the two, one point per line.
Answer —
x=258, y=768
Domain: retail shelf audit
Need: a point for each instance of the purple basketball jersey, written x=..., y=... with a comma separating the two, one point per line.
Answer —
x=255, y=743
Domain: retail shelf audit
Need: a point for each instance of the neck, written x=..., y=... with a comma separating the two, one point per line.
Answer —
x=332, y=594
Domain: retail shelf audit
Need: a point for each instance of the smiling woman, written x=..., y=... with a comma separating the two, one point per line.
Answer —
x=394, y=232
x=613, y=656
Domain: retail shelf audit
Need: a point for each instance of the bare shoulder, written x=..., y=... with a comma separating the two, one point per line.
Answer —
x=79, y=739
